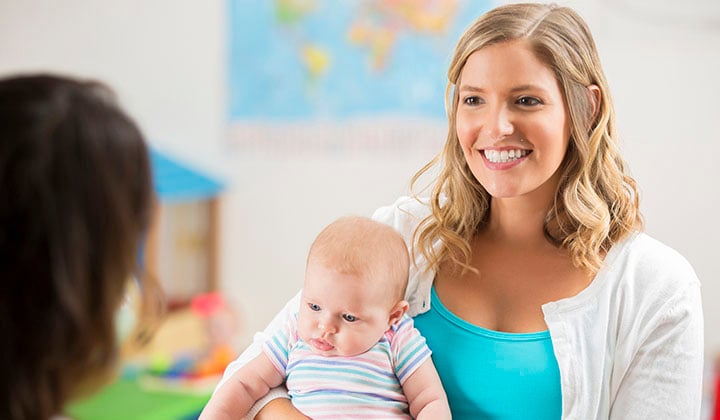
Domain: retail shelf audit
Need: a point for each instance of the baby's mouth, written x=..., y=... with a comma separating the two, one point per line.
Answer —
x=320, y=344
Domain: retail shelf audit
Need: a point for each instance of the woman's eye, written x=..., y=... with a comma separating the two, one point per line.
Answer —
x=349, y=318
x=314, y=307
x=472, y=100
x=529, y=101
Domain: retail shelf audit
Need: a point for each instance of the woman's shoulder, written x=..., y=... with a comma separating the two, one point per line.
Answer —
x=405, y=206
x=653, y=264
x=404, y=214
x=654, y=294
x=643, y=282
x=654, y=254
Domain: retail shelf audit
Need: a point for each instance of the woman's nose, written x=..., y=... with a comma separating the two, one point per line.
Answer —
x=498, y=124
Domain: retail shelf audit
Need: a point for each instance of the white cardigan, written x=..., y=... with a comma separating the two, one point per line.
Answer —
x=629, y=346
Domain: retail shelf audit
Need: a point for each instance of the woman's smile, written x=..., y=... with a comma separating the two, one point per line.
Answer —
x=504, y=158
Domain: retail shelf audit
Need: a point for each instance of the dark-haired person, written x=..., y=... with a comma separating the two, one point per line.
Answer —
x=75, y=199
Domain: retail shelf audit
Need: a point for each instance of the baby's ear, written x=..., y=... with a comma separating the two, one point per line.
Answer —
x=397, y=312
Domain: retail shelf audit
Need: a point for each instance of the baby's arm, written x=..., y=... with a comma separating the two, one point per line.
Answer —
x=237, y=395
x=254, y=350
x=425, y=393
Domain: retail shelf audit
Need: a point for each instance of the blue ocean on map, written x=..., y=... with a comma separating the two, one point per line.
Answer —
x=328, y=59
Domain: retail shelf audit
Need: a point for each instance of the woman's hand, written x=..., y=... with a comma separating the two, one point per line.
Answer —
x=280, y=408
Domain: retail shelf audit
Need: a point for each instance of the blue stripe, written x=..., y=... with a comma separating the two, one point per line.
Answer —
x=421, y=357
x=278, y=349
x=418, y=345
x=277, y=355
x=344, y=395
x=310, y=374
x=337, y=363
x=412, y=361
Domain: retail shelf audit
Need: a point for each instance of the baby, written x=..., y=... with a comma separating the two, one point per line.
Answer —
x=350, y=349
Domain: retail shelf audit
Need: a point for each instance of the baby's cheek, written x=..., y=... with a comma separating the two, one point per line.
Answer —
x=357, y=343
x=304, y=328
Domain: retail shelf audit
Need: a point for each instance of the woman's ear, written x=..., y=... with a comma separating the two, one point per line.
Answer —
x=595, y=99
x=397, y=312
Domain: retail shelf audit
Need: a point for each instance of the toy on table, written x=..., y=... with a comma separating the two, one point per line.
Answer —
x=197, y=372
x=220, y=326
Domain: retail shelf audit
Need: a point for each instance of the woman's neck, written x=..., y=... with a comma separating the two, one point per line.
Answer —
x=516, y=222
x=519, y=221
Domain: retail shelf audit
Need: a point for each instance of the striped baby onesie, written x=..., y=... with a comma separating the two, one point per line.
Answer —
x=366, y=386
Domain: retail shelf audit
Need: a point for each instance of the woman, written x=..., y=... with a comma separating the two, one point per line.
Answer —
x=533, y=284
x=76, y=193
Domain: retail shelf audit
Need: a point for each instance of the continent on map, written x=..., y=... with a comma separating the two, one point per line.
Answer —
x=380, y=23
x=300, y=60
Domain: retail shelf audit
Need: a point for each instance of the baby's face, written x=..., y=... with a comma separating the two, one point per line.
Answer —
x=342, y=314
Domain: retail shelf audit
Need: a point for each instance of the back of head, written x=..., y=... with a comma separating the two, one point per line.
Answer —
x=362, y=246
x=76, y=189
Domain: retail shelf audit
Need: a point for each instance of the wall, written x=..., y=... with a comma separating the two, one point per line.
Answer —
x=662, y=62
x=166, y=60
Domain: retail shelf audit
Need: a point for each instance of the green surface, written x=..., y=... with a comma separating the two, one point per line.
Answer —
x=126, y=400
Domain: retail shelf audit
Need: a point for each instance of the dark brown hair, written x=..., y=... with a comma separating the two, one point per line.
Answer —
x=75, y=199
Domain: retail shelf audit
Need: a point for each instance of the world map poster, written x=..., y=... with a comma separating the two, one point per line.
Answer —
x=310, y=61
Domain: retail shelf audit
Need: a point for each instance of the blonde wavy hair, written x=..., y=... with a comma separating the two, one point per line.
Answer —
x=596, y=203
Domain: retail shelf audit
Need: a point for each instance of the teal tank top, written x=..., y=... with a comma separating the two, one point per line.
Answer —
x=490, y=374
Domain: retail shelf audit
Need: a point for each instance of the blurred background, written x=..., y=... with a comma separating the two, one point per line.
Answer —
x=268, y=119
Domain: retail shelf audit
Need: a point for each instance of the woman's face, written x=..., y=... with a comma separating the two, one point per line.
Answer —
x=511, y=121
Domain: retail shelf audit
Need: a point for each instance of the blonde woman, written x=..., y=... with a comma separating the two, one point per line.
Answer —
x=532, y=282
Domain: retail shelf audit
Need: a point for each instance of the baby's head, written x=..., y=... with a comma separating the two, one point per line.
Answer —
x=355, y=280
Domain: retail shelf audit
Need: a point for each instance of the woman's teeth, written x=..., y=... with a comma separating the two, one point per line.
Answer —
x=496, y=156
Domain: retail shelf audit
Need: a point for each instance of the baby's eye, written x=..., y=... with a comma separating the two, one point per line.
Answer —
x=349, y=318
x=529, y=101
x=314, y=307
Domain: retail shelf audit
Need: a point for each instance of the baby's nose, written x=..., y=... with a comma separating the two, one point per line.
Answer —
x=327, y=326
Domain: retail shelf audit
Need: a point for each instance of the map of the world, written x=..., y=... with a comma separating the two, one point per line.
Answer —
x=331, y=59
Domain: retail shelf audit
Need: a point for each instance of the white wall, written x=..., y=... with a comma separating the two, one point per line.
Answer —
x=166, y=60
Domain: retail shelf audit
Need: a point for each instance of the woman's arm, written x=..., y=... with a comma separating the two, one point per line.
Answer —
x=664, y=379
x=425, y=393
x=280, y=408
